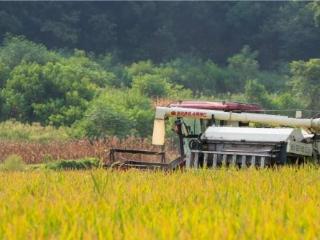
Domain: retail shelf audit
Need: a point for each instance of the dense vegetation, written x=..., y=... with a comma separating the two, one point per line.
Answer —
x=97, y=67
x=160, y=31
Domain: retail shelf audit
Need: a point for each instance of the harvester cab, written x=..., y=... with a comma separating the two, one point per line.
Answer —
x=215, y=134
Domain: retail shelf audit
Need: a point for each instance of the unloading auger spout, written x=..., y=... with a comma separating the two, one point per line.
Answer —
x=275, y=120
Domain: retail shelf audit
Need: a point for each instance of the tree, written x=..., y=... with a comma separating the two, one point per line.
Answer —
x=294, y=32
x=117, y=113
x=244, y=64
x=152, y=85
x=256, y=93
x=161, y=31
x=4, y=73
x=305, y=82
x=202, y=77
x=112, y=63
x=287, y=102
x=17, y=49
x=54, y=93
x=315, y=8
x=156, y=81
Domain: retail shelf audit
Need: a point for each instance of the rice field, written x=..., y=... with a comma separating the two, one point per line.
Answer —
x=198, y=204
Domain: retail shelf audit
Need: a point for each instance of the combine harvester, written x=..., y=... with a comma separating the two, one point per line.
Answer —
x=215, y=134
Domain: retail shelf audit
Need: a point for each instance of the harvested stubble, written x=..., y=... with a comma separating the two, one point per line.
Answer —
x=33, y=152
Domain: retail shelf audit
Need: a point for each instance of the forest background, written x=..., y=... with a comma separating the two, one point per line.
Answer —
x=96, y=68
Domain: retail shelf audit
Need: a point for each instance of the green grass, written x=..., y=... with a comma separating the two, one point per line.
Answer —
x=16, y=131
x=15, y=163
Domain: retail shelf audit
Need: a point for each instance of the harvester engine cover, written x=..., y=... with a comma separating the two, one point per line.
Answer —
x=244, y=146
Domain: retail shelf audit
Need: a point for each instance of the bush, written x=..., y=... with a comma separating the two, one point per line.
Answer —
x=87, y=163
x=117, y=113
x=13, y=163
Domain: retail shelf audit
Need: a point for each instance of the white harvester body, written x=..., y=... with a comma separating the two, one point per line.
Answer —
x=292, y=139
x=252, y=134
x=214, y=134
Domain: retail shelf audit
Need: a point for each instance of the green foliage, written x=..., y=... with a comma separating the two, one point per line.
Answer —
x=4, y=73
x=192, y=71
x=274, y=82
x=55, y=93
x=293, y=27
x=280, y=31
x=155, y=82
x=141, y=68
x=287, y=102
x=16, y=131
x=17, y=49
x=152, y=85
x=102, y=96
x=117, y=112
x=256, y=93
x=244, y=64
x=13, y=163
x=80, y=164
x=111, y=63
x=315, y=8
x=305, y=82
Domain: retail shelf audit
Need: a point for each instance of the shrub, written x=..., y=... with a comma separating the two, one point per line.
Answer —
x=86, y=163
x=118, y=113
x=13, y=163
